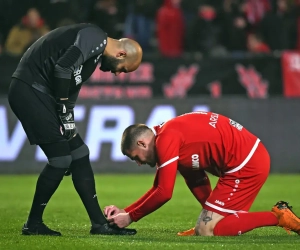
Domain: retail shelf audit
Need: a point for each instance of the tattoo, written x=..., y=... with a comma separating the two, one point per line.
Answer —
x=205, y=216
x=198, y=221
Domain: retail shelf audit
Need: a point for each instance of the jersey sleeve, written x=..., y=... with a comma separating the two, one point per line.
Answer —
x=144, y=197
x=167, y=149
x=160, y=193
x=90, y=41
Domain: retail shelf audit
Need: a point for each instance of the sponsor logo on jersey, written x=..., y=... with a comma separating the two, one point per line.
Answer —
x=195, y=161
x=236, y=125
x=213, y=119
x=220, y=202
x=77, y=72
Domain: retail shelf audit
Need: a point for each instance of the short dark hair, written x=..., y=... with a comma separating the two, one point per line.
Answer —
x=130, y=136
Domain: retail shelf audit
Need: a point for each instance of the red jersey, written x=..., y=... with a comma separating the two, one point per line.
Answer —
x=192, y=143
x=203, y=140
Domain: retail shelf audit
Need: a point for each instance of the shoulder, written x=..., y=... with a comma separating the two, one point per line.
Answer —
x=169, y=136
x=91, y=30
x=91, y=40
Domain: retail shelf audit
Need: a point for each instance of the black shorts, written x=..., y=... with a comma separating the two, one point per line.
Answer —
x=36, y=111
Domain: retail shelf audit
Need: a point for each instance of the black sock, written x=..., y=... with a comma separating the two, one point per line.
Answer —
x=46, y=185
x=84, y=183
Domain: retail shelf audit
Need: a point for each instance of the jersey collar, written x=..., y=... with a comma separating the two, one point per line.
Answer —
x=153, y=130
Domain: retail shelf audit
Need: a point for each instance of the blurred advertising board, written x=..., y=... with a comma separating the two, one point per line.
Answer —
x=256, y=77
x=101, y=123
x=291, y=74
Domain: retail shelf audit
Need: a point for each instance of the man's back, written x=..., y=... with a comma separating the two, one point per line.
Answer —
x=204, y=140
x=38, y=62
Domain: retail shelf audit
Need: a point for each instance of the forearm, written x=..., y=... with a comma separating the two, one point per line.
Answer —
x=158, y=195
x=139, y=201
x=63, y=70
x=61, y=88
x=153, y=202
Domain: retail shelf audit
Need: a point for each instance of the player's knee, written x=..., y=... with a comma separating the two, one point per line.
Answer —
x=81, y=166
x=78, y=148
x=80, y=152
x=61, y=161
x=207, y=222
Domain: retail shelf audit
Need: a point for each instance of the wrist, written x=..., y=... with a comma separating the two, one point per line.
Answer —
x=130, y=218
x=62, y=105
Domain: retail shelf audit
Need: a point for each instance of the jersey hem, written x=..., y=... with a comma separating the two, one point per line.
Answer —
x=224, y=210
x=246, y=159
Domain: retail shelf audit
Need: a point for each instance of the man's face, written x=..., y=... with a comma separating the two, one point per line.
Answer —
x=112, y=64
x=143, y=155
x=33, y=18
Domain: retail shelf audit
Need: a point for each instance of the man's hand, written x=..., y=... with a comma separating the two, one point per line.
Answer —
x=112, y=210
x=66, y=118
x=121, y=220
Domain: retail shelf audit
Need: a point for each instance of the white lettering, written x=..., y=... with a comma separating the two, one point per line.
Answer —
x=12, y=140
x=10, y=147
x=236, y=125
x=195, y=161
x=77, y=72
x=213, y=124
x=98, y=133
x=220, y=202
x=214, y=119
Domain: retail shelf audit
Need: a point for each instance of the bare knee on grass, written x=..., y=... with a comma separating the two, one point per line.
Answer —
x=206, y=223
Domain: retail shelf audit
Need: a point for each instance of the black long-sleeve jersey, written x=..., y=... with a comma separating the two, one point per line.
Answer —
x=52, y=56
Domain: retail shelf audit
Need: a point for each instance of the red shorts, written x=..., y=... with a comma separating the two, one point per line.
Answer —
x=235, y=192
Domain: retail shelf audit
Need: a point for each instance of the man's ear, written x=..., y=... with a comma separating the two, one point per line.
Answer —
x=141, y=144
x=121, y=54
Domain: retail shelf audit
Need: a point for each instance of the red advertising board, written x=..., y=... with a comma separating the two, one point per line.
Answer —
x=291, y=73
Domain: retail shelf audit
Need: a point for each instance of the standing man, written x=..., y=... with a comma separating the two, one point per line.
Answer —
x=42, y=95
x=193, y=144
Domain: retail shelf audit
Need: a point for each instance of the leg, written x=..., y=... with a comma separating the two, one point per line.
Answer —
x=40, y=122
x=83, y=179
x=234, y=195
x=240, y=223
x=225, y=211
x=59, y=159
x=211, y=223
x=84, y=183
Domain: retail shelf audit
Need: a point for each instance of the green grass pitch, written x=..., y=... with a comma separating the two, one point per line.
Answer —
x=156, y=231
